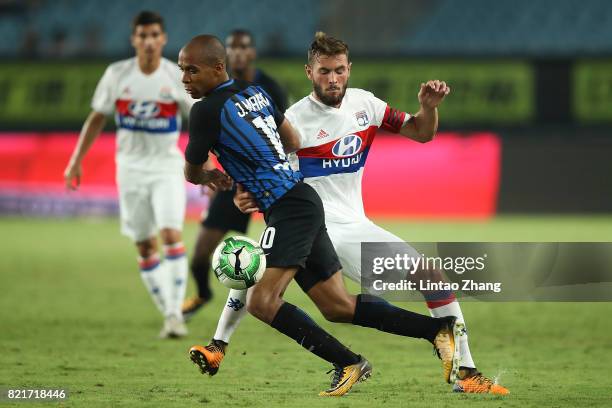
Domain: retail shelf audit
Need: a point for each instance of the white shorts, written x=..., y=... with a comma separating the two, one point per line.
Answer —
x=150, y=202
x=347, y=239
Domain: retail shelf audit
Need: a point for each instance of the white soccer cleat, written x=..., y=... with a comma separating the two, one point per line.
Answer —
x=173, y=328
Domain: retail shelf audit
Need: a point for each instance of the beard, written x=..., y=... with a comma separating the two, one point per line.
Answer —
x=329, y=100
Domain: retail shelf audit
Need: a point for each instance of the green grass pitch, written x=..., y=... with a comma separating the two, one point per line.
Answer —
x=74, y=314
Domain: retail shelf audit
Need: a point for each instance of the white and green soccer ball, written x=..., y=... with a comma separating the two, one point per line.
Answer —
x=238, y=262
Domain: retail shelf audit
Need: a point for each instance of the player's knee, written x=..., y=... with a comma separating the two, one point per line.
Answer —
x=170, y=236
x=341, y=311
x=262, y=305
x=147, y=247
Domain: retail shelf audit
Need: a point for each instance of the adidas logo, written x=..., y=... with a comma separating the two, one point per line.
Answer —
x=322, y=134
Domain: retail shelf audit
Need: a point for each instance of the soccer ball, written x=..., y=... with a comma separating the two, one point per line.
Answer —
x=238, y=262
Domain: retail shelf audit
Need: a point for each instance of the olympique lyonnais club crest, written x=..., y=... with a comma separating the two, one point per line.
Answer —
x=165, y=93
x=362, y=118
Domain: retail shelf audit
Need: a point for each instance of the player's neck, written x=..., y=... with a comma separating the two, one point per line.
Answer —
x=221, y=80
x=247, y=74
x=148, y=65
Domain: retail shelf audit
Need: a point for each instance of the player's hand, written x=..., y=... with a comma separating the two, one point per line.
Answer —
x=244, y=200
x=433, y=93
x=217, y=180
x=72, y=176
x=206, y=191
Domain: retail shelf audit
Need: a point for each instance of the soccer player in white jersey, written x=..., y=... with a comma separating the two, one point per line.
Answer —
x=337, y=127
x=147, y=98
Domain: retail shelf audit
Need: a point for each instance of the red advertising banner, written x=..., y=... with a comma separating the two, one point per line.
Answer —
x=452, y=176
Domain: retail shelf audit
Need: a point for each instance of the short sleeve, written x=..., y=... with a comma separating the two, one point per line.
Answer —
x=292, y=118
x=204, y=127
x=386, y=117
x=378, y=107
x=103, y=100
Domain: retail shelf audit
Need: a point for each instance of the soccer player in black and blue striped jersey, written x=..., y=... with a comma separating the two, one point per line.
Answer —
x=222, y=215
x=240, y=124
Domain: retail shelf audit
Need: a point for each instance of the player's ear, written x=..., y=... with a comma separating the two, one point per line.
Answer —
x=348, y=69
x=164, y=38
x=220, y=67
x=308, y=70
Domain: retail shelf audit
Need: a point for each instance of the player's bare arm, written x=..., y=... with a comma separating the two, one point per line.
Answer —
x=215, y=179
x=289, y=137
x=423, y=125
x=91, y=130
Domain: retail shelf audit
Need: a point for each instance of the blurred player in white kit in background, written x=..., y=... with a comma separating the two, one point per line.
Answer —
x=147, y=98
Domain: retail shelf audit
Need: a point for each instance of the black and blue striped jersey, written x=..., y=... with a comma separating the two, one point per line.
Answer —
x=237, y=121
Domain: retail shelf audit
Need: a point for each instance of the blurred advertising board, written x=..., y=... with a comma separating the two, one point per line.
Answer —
x=483, y=92
x=592, y=86
x=36, y=94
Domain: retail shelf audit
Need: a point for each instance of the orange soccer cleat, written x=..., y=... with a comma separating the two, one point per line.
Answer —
x=343, y=378
x=208, y=358
x=472, y=381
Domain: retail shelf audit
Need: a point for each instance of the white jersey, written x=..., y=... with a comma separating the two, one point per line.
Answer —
x=335, y=145
x=147, y=112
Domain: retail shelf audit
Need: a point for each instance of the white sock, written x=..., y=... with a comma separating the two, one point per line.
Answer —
x=233, y=312
x=176, y=267
x=453, y=309
x=151, y=273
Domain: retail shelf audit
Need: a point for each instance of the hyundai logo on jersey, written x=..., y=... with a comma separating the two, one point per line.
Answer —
x=345, y=155
x=147, y=116
x=143, y=110
x=347, y=146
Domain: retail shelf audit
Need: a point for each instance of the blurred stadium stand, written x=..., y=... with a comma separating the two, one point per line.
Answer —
x=519, y=27
x=68, y=28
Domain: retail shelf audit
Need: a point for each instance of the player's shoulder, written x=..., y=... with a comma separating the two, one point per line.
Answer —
x=211, y=105
x=265, y=80
x=122, y=67
x=170, y=67
x=359, y=99
x=300, y=106
x=358, y=93
x=240, y=85
x=203, y=106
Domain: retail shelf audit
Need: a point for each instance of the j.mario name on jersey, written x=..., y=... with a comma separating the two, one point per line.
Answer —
x=252, y=104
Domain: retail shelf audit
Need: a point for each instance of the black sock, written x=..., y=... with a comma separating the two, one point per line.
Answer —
x=200, y=272
x=375, y=312
x=296, y=324
x=219, y=343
